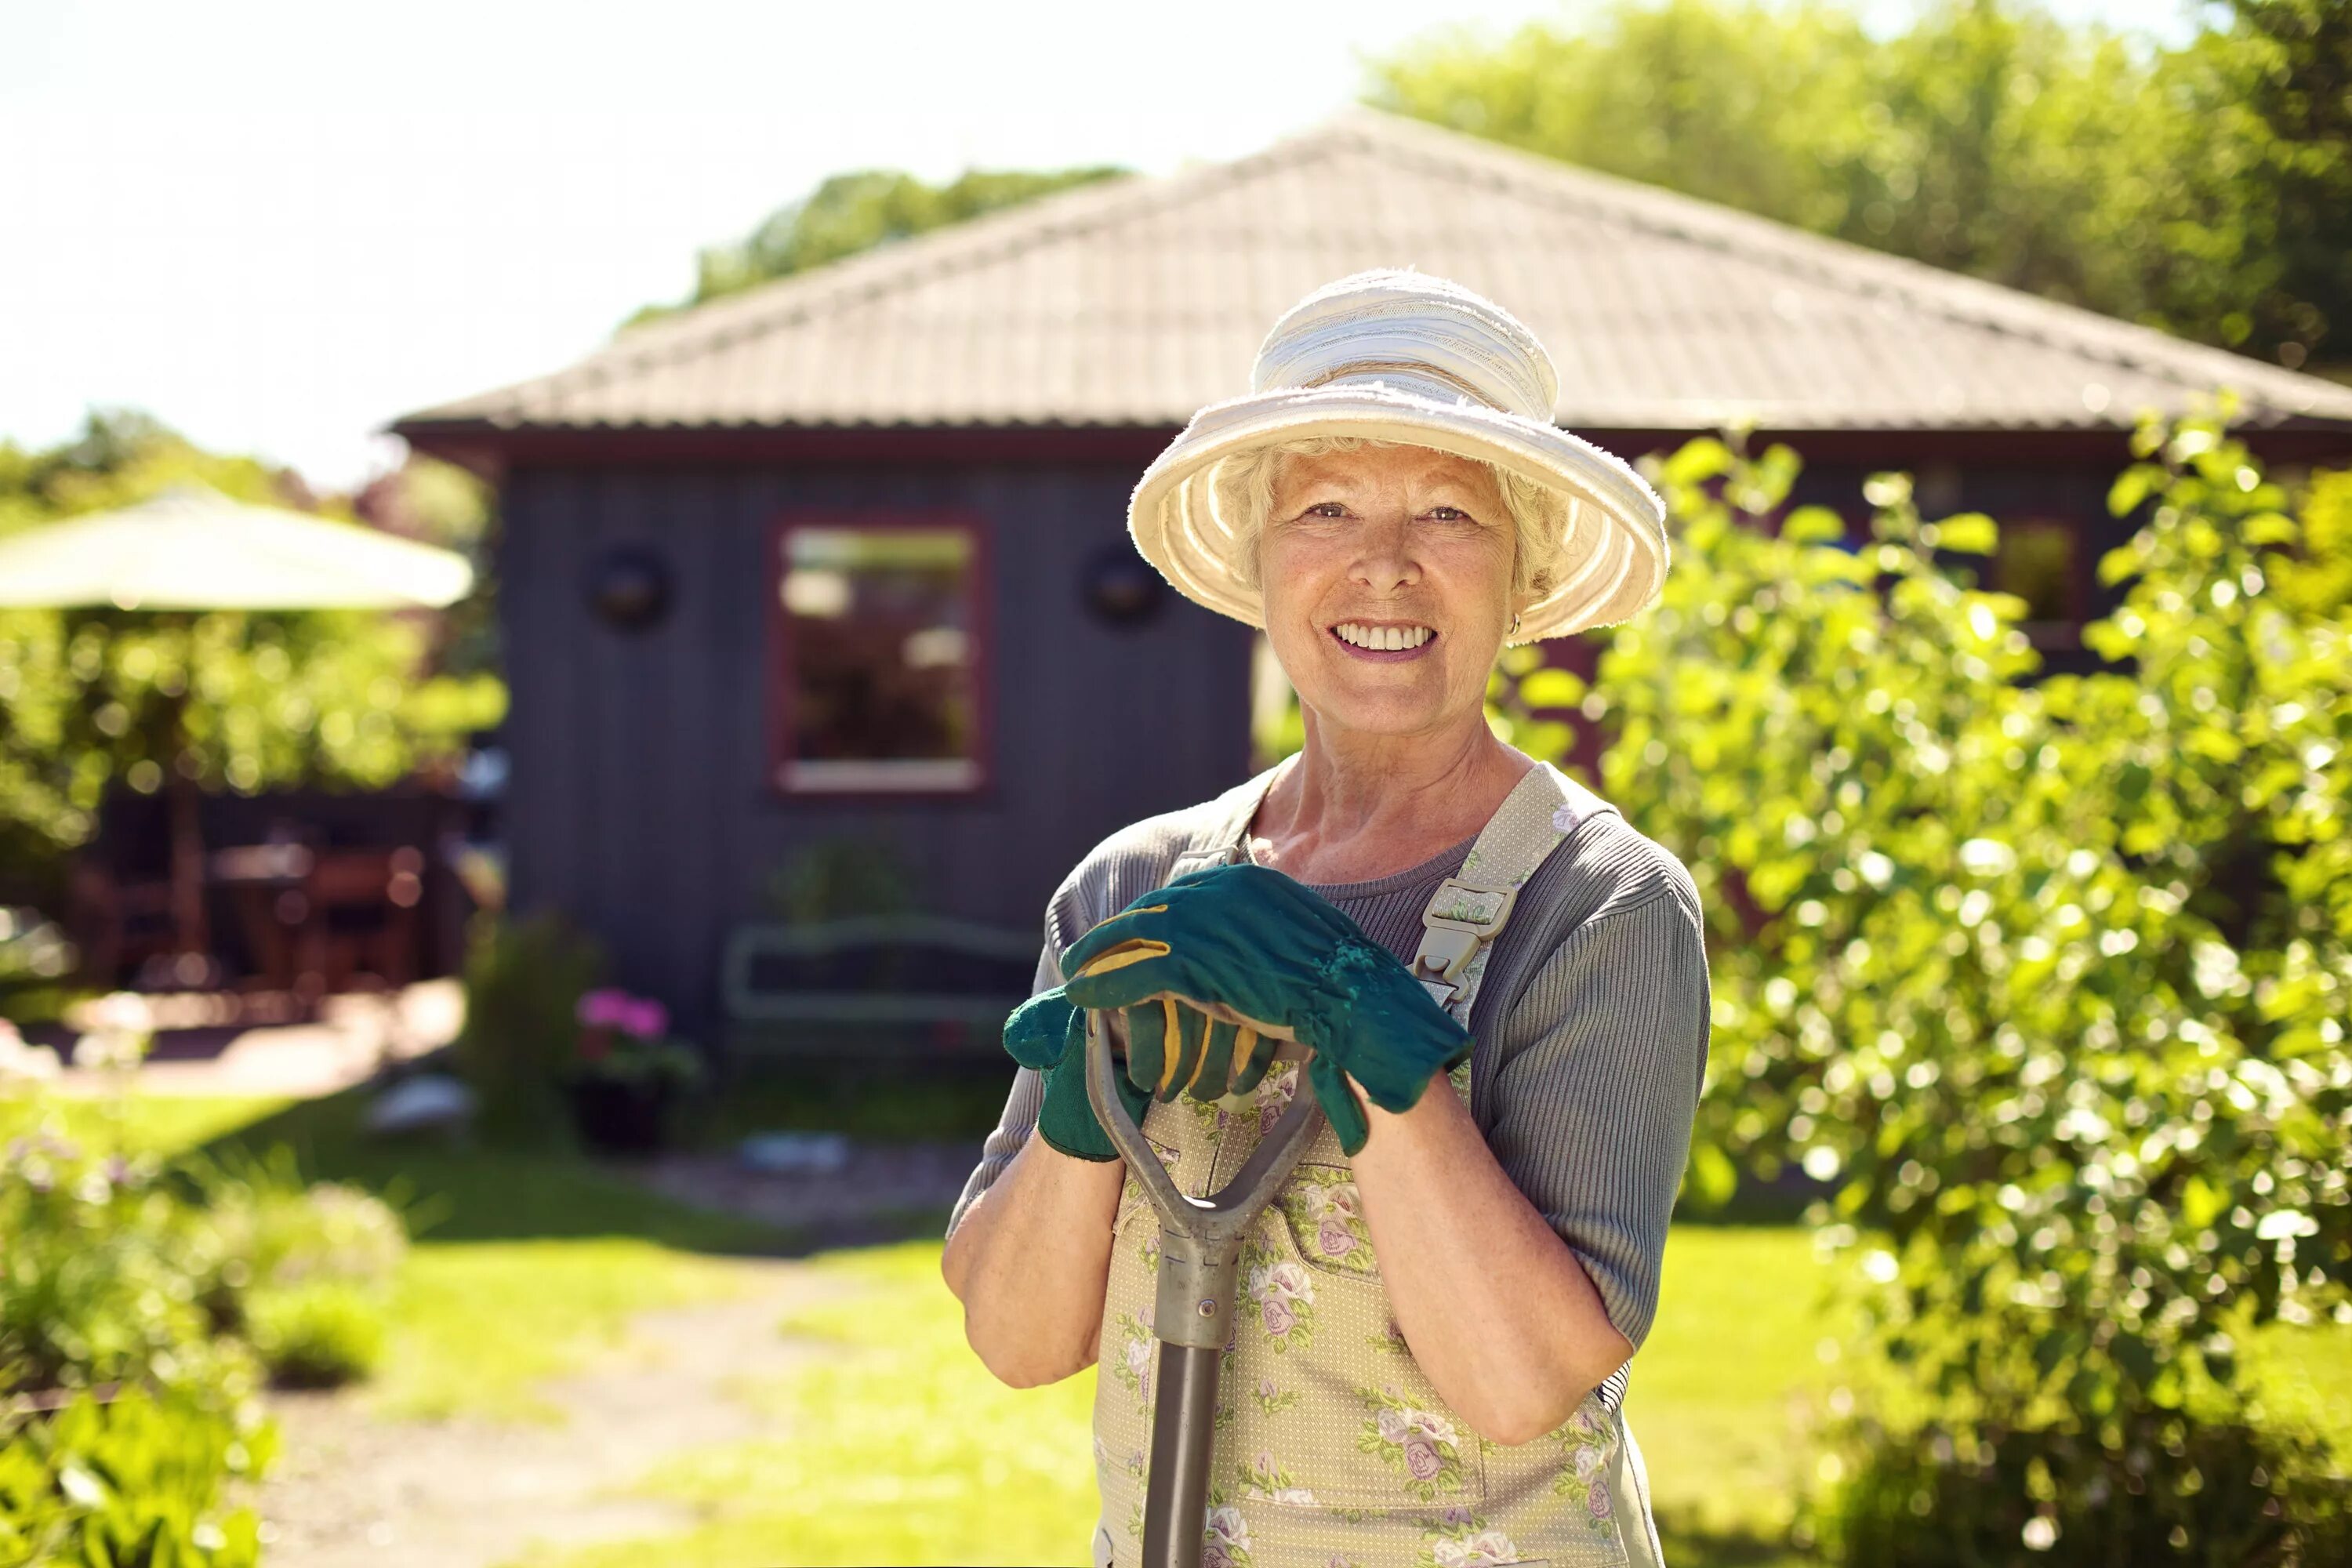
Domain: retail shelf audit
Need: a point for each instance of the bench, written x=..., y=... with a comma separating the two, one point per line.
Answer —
x=891, y=985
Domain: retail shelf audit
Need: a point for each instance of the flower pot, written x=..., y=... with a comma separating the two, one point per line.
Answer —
x=621, y=1116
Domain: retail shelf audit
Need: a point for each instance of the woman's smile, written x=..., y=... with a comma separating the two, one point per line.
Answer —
x=1384, y=642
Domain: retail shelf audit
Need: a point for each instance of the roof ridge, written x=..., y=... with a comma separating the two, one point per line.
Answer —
x=2073, y=329
x=781, y=302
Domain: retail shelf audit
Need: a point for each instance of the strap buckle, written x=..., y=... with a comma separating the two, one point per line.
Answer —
x=1461, y=915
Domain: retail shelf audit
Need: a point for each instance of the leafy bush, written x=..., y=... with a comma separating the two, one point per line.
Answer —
x=2046, y=975
x=524, y=979
x=134, y=1483
x=317, y=1334
x=259, y=1231
x=92, y=1289
x=128, y=1270
x=2213, y=1493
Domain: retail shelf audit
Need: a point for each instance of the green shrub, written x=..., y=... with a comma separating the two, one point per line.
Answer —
x=523, y=982
x=91, y=1289
x=2047, y=976
x=318, y=1335
x=2206, y=1492
x=257, y=1223
x=134, y=1483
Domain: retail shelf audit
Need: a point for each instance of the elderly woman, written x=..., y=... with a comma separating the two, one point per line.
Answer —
x=1437, y=1311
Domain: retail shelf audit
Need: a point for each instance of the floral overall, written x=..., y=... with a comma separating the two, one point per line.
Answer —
x=1333, y=1447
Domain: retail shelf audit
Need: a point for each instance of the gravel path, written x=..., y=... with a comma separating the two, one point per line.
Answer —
x=350, y=1489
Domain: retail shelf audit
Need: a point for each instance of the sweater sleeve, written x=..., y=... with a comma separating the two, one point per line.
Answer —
x=1604, y=1053
x=1021, y=1108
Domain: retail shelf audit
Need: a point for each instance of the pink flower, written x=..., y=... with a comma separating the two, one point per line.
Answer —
x=1215, y=1555
x=603, y=1006
x=1597, y=1501
x=1279, y=1318
x=1420, y=1458
x=642, y=1016
x=1334, y=1239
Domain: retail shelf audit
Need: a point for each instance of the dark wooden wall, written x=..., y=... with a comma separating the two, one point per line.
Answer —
x=640, y=801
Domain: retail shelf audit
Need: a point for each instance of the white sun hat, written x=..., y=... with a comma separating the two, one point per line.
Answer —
x=1404, y=356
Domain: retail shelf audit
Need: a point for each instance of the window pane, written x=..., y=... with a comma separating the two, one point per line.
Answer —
x=2035, y=561
x=879, y=659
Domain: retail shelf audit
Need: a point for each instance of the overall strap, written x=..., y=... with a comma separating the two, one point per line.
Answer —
x=1471, y=908
x=1539, y=814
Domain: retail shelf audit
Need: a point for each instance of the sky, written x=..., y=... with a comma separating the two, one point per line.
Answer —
x=278, y=226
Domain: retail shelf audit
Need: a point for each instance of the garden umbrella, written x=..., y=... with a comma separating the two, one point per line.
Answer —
x=192, y=548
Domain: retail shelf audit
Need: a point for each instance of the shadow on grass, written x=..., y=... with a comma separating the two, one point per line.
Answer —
x=452, y=1190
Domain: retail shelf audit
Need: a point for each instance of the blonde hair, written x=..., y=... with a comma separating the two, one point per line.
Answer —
x=1243, y=483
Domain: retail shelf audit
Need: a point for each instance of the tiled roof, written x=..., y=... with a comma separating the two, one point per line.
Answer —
x=1134, y=301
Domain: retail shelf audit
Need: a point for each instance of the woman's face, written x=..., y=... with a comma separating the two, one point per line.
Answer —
x=1382, y=546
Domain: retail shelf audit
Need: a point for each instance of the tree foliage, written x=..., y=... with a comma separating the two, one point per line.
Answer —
x=245, y=700
x=2046, y=974
x=2205, y=190
x=854, y=212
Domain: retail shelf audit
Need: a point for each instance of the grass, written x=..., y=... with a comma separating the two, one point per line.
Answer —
x=893, y=1444
x=1725, y=1390
x=523, y=1266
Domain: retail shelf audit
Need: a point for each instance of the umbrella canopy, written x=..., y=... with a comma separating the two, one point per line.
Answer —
x=192, y=548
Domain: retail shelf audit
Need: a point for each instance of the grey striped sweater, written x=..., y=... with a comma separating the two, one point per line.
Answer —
x=1589, y=1031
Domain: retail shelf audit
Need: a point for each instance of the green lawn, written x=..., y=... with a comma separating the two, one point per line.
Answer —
x=902, y=1449
x=894, y=1445
x=523, y=1266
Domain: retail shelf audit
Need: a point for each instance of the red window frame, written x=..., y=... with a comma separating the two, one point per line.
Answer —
x=978, y=598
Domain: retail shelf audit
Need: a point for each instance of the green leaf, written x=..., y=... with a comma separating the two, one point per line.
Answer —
x=1552, y=688
x=1812, y=524
x=2131, y=487
x=1712, y=1178
x=1972, y=533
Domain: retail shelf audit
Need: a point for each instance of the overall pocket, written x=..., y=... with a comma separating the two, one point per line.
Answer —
x=1330, y=1409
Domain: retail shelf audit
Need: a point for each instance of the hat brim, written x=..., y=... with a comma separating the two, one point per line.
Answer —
x=1616, y=555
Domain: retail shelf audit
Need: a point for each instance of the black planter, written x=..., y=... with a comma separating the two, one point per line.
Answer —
x=616, y=1116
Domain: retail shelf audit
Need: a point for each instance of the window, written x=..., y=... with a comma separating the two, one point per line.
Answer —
x=879, y=652
x=2038, y=558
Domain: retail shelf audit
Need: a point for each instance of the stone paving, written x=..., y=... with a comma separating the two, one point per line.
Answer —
x=204, y=1045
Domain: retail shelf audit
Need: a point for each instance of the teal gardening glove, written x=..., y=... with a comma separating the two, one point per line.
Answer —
x=1048, y=1034
x=1256, y=941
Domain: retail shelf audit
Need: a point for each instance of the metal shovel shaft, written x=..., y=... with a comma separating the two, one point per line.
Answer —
x=1192, y=1316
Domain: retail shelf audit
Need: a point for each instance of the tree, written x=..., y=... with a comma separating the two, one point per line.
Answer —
x=2202, y=190
x=854, y=212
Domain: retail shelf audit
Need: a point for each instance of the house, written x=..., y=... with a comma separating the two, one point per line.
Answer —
x=845, y=554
